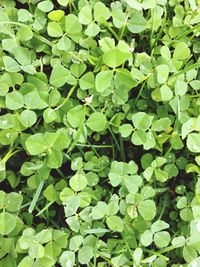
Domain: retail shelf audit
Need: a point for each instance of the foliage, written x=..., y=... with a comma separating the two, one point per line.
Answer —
x=99, y=133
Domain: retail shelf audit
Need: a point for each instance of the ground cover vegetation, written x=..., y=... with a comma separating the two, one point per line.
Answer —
x=99, y=133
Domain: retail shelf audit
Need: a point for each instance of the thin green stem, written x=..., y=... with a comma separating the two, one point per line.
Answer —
x=186, y=33
x=96, y=146
x=124, y=27
x=168, y=151
x=190, y=67
x=114, y=138
x=28, y=203
x=164, y=204
x=45, y=208
x=122, y=149
x=9, y=154
x=60, y=173
x=93, y=149
x=67, y=98
x=155, y=253
x=160, y=31
x=36, y=197
x=111, y=30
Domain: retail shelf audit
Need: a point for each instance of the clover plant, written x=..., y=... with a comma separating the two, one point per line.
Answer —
x=99, y=133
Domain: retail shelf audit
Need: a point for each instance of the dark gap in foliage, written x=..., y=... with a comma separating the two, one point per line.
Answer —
x=20, y=5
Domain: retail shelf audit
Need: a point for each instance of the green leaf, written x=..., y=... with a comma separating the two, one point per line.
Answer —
x=165, y=52
x=137, y=23
x=71, y=206
x=45, y=6
x=85, y=254
x=162, y=239
x=59, y=76
x=67, y=258
x=44, y=236
x=97, y=122
x=103, y=80
x=76, y=242
x=125, y=130
x=147, y=192
x=36, y=144
x=146, y=238
x=87, y=81
x=63, y=3
x=23, y=55
x=180, y=87
x=161, y=175
x=161, y=125
x=139, y=137
x=181, y=51
x=193, y=142
x=72, y=24
x=24, y=34
x=142, y=120
x=78, y=182
x=50, y=193
x=49, y=115
x=54, y=158
x=116, y=56
x=36, y=251
x=32, y=100
x=13, y=202
x=163, y=93
x=7, y=223
x=147, y=4
x=101, y=12
x=64, y=43
x=28, y=118
x=162, y=73
x=115, y=223
x=14, y=100
x=54, y=29
x=118, y=17
x=85, y=15
x=76, y=116
x=119, y=261
x=56, y=15
x=26, y=261
x=10, y=64
x=24, y=15
x=132, y=183
x=158, y=226
x=99, y=211
x=27, y=239
x=147, y=209
x=92, y=29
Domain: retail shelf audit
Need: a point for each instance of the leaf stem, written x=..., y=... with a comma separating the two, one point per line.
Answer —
x=96, y=146
x=45, y=208
x=155, y=253
x=111, y=30
x=190, y=67
x=36, y=197
x=67, y=98
x=124, y=27
x=114, y=138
